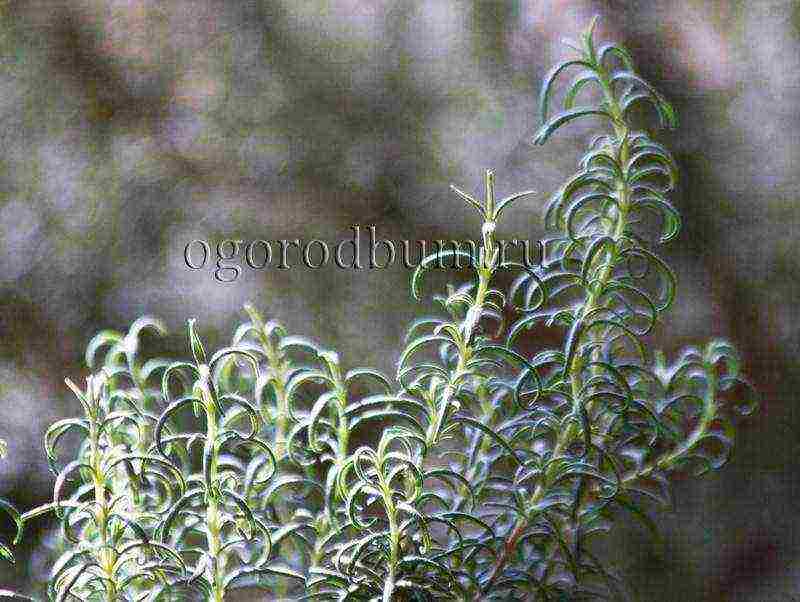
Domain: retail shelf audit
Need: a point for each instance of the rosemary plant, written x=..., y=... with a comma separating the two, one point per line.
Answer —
x=104, y=521
x=482, y=471
x=213, y=526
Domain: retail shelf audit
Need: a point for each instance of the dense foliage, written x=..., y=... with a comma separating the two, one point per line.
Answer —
x=483, y=471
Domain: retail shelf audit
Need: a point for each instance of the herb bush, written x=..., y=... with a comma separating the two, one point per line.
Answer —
x=479, y=473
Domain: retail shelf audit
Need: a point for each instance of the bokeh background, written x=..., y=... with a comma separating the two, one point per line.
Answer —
x=130, y=127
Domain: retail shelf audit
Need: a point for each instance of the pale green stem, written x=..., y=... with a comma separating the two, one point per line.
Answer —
x=213, y=514
x=485, y=273
x=107, y=556
x=394, y=539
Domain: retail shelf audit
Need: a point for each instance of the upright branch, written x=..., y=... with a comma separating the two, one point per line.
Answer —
x=594, y=401
x=233, y=460
x=110, y=554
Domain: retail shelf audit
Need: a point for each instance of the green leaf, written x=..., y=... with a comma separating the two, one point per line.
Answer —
x=198, y=351
x=5, y=554
x=472, y=423
x=508, y=201
x=469, y=200
x=418, y=344
x=436, y=260
x=667, y=114
x=550, y=79
x=564, y=118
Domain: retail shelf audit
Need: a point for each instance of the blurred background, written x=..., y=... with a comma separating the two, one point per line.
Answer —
x=131, y=127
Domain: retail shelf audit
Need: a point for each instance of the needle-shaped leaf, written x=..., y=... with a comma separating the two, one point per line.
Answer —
x=565, y=117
